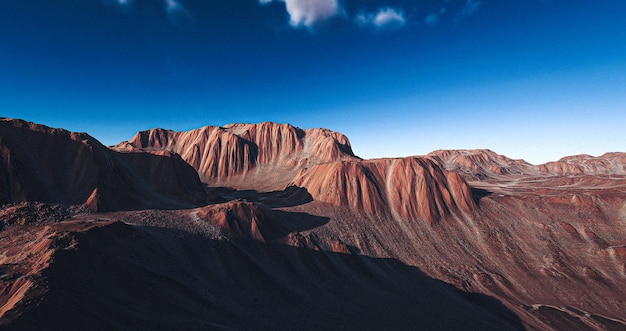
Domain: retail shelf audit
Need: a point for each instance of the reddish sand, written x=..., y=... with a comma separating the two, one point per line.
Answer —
x=302, y=234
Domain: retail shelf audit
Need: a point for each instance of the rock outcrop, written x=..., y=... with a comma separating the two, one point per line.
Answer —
x=404, y=188
x=270, y=156
x=607, y=164
x=260, y=156
x=38, y=163
x=481, y=164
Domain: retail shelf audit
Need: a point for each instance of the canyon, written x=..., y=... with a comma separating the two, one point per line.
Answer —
x=269, y=226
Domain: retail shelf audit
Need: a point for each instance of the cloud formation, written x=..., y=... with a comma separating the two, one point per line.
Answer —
x=172, y=5
x=176, y=12
x=384, y=18
x=306, y=13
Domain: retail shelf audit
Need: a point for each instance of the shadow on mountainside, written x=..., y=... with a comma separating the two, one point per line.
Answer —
x=289, y=197
x=143, y=278
x=479, y=193
x=292, y=222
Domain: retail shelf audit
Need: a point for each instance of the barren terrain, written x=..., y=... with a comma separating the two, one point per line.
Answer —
x=268, y=226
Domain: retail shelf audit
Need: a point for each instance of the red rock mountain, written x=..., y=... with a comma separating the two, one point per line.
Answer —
x=270, y=156
x=406, y=188
x=42, y=164
x=607, y=164
x=261, y=156
x=484, y=164
x=480, y=163
x=303, y=234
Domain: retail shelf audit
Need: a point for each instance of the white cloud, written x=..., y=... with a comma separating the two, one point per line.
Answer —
x=176, y=12
x=384, y=18
x=306, y=13
x=172, y=6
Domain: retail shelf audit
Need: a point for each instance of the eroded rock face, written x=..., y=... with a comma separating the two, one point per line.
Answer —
x=43, y=164
x=607, y=164
x=405, y=188
x=275, y=156
x=264, y=156
x=546, y=241
x=480, y=164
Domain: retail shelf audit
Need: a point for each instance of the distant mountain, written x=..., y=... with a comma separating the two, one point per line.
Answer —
x=483, y=163
x=269, y=226
x=274, y=156
x=263, y=156
x=607, y=164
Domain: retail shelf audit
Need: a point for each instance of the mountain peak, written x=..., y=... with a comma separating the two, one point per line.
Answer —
x=227, y=155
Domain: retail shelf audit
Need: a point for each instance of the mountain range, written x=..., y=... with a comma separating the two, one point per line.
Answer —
x=269, y=226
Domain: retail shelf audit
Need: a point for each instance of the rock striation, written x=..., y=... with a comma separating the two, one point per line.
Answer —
x=404, y=188
x=606, y=164
x=480, y=164
x=262, y=156
x=458, y=239
x=270, y=156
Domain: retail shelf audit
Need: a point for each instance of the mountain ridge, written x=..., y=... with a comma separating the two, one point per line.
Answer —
x=43, y=164
x=546, y=242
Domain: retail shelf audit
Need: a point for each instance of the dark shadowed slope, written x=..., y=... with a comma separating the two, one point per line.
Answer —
x=38, y=163
x=115, y=276
x=531, y=240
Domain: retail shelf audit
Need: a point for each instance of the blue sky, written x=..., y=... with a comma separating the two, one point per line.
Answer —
x=532, y=79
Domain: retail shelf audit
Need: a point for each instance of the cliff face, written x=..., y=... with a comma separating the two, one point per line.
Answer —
x=274, y=156
x=240, y=155
x=405, y=188
x=38, y=163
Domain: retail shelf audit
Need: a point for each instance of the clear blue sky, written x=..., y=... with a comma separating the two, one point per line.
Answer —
x=531, y=79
